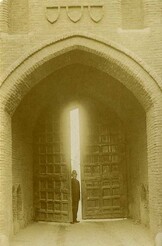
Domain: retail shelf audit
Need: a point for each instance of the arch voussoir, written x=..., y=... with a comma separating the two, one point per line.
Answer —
x=105, y=56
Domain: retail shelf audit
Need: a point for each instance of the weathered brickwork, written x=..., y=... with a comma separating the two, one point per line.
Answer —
x=133, y=19
x=43, y=41
x=18, y=16
x=5, y=173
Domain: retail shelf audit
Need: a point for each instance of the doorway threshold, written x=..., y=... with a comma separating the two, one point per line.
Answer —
x=102, y=220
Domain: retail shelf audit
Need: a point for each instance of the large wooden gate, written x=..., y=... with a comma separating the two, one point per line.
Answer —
x=104, y=181
x=103, y=168
x=51, y=174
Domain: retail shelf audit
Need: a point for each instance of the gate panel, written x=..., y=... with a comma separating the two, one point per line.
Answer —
x=104, y=185
x=51, y=176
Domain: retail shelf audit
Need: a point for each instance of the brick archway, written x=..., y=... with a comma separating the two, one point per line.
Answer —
x=60, y=52
x=105, y=56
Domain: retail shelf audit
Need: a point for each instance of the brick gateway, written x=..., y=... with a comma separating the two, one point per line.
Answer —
x=107, y=57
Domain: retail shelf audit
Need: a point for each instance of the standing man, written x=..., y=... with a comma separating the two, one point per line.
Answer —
x=75, y=191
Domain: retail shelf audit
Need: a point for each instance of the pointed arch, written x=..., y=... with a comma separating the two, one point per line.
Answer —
x=78, y=48
x=105, y=56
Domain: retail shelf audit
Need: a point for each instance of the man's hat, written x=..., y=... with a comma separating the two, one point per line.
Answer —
x=73, y=172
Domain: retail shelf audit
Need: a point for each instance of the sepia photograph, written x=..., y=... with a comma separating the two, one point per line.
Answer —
x=80, y=122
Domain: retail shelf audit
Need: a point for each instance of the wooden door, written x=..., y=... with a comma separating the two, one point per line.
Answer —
x=51, y=174
x=104, y=180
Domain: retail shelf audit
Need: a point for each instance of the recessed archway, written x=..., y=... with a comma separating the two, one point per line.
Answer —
x=76, y=91
x=107, y=57
x=88, y=50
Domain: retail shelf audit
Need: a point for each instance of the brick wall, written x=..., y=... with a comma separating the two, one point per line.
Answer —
x=18, y=18
x=132, y=14
x=140, y=39
x=5, y=174
x=141, y=33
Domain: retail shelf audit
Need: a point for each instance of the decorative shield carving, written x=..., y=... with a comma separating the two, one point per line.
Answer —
x=74, y=13
x=52, y=13
x=96, y=12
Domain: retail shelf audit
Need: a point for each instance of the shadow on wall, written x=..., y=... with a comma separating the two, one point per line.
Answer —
x=144, y=204
x=17, y=208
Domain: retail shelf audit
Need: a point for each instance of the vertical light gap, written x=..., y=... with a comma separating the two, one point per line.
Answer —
x=75, y=146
